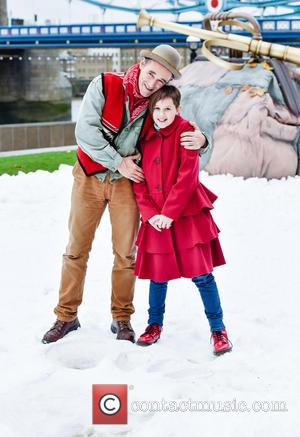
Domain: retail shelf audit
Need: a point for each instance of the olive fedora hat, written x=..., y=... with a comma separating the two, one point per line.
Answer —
x=166, y=56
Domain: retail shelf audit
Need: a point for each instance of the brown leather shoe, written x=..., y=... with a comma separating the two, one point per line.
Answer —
x=59, y=330
x=123, y=329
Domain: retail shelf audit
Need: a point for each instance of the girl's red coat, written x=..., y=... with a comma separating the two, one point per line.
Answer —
x=191, y=246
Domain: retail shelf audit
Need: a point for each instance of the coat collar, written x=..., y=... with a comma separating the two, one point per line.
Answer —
x=166, y=131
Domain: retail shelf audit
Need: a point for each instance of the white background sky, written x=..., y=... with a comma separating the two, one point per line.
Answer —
x=56, y=10
x=76, y=11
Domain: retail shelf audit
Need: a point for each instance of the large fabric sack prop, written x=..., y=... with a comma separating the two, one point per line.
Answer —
x=254, y=133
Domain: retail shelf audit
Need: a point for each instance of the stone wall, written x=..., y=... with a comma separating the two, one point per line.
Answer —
x=33, y=87
x=3, y=13
x=36, y=135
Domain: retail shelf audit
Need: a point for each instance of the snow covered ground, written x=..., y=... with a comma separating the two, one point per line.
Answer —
x=45, y=390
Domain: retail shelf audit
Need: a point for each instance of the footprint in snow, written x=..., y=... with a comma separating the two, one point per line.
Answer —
x=131, y=360
x=72, y=356
x=161, y=365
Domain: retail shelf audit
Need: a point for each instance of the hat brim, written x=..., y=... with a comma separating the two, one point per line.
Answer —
x=154, y=57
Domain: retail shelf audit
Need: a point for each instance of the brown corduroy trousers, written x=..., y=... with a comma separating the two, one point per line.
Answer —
x=89, y=200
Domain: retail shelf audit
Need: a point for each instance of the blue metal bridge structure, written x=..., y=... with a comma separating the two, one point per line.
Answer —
x=285, y=30
x=283, y=27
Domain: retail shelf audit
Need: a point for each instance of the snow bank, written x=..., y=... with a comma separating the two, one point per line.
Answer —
x=46, y=389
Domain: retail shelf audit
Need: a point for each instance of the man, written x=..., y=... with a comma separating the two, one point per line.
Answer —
x=111, y=119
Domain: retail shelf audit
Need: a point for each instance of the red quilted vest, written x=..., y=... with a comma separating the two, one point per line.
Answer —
x=111, y=118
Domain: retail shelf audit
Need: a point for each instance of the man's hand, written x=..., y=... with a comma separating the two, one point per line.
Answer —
x=153, y=221
x=130, y=170
x=193, y=140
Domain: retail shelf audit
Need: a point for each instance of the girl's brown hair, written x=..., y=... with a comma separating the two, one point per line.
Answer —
x=163, y=93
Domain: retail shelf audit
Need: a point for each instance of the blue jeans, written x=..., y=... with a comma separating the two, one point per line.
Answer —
x=208, y=289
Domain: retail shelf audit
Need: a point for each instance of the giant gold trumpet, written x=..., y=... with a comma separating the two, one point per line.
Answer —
x=217, y=38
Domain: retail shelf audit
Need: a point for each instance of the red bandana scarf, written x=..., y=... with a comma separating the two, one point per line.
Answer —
x=137, y=103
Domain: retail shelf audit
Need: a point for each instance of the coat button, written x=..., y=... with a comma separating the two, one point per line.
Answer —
x=158, y=187
x=157, y=160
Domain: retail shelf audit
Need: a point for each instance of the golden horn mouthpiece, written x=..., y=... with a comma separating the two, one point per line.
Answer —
x=144, y=19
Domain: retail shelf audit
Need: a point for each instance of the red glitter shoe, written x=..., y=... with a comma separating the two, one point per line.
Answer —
x=150, y=336
x=221, y=342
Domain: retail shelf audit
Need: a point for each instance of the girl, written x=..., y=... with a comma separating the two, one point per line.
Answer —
x=177, y=237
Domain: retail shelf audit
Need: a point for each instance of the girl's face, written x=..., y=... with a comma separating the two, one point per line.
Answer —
x=164, y=112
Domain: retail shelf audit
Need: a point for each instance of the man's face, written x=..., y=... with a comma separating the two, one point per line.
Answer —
x=152, y=77
x=164, y=112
